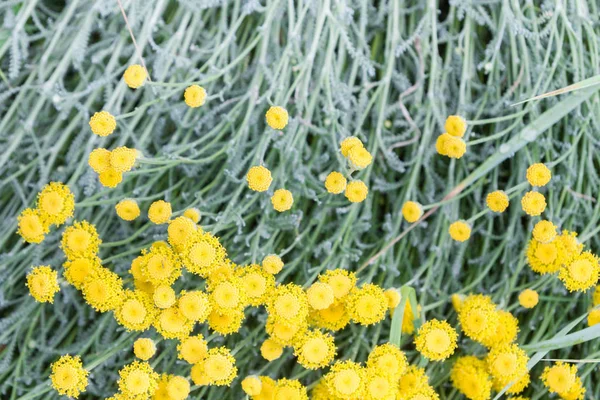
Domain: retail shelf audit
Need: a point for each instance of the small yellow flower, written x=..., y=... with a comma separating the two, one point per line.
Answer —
x=346, y=379
x=55, y=203
x=335, y=182
x=135, y=75
x=127, y=209
x=252, y=385
x=440, y=143
x=436, y=340
x=533, y=203
x=359, y=157
x=172, y=324
x=144, y=348
x=194, y=96
x=288, y=304
x=507, y=363
x=394, y=298
x=43, y=284
x=192, y=349
x=478, y=317
x=412, y=211
x=218, y=366
x=194, y=305
x=470, y=377
x=289, y=389
x=349, y=143
x=538, y=175
x=103, y=290
x=560, y=377
x=367, y=305
x=320, y=295
x=277, y=117
x=110, y=178
x=80, y=240
x=103, y=123
x=138, y=380
x=77, y=269
x=99, y=160
x=454, y=147
x=31, y=226
x=506, y=330
x=68, y=376
x=272, y=264
x=593, y=317
x=282, y=200
x=356, y=191
x=340, y=280
x=271, y=350
x=164, y=296
x=455, y=125
x=180, y=230
x=136, y=311
x=497, y=201
x=159, y=212
x=544, y=231
x=193, y=214
x=259, y=178
x=202, y=253
x=178, y=388
x=122, y=159
x=460, y=231
x=388, y=360
x=581, y=273
x=315, y=349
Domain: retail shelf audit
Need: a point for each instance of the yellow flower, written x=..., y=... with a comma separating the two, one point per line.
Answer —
x=193, y=214
x=359, y=157
x=469, y=376
x=289, y=389
x=581, y=273
x=412, y=211
x=138, y=380
x=172, y=324
x=544, y=231
x=159, y=212
x=110, y=178
x=252, y=385
x=194, y=96
x=271, y=350
x=180, y=230
x=507, y=363
x=259, y=178
x=202, y=253
x=164, y=296
x=285, y=333
x=122, y=159
x=478, y=317
x=43, y=284
x=315, y=349
x=560, y=377
x=103, y=290
x=32, y=227
x=272, y=264
x=218, y=366
x=288, y=304
x=454, y=147
x=533, y=203
x=257, y=283
x=436, y=340
x=367, y=305
x=528, y=298
x=178, y=388
x=497, y=201
x=377, y=386
x=192, y=349
x=571, y=247
x=593, y=317
x=517, y=387
x=277, y=117
x=228, y=295
x=348, y=144
x=99, y=160
x=455, y=125
x=334, y=317
x=412, y=383
x=460, y=231
x=506, y=330
x=267, y=391
x=335, y=182
x=144, y=348
x=577, y=391
x=282, y=200
x=226, y=322
x=136, y=312
x=77, y=269
x=103, y=123
x=356, y=191
x=440, y=143
x=340, y=280
x=388, y=360
x=135, y=75
x=55, y=203
x=161, y=266
x=320, y=295
x=545, y=258
x=68, y=376
x=127, y=209
x=80, y=240
x=393, y=296
x=538, y=175
x=346, y=380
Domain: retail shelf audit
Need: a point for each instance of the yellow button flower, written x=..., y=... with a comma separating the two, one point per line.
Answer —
x=194, y=96
x=103, y=123
x=135, y=75
x=277, y=117
x=282, y=200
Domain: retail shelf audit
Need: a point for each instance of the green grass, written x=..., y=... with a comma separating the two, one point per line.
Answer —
x=387, y=71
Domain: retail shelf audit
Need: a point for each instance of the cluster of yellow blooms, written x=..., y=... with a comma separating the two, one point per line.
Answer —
x=450, y=143
x=358, y=158
x=259, y=179
x=110, y=165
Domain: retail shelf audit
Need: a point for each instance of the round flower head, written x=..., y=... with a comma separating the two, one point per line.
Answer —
x=560, y=377
x=533, y=203
x=507, y=363
x=122, y=159
x=164, y=296
x=387, y=359
x=202, y=253
x=538, y=175
x=277, y=117
x=178, y=388
x=455, y=125
x=271, y=350
x=478, y=317
x=219, y=366
x=335, y=182
x=334, y=317
x=359, y=157
x=226, y=322
x=68, y=376
x=506, y=330
x=252, y=385
x=436, y=340
x=593, y=318
x=577, y=391
x=272, y=264
x=127, y=209
x=528, y=298
x=103, y=290
x=43, y=284
x=315, y=349
x=288, y=304
x=470, y=377
x=110, y=178
x=99, y=160
x=348, y=144
x=144, y=348
x=259, y=178
x=103, y=123
x=346, y=380
x=80, y=240
x=412, y=383
x=78, y=269
x=356, y=191
x=289, y=389
x=440, y=143
x=412, y=211
x=32, y=227
x=581, y=273
x=378, y=386
x=460, y=231
x=454, y=147
x=544, y=231
x=55, y=203
x=497, y=201
x=284, y=333
x=136, y=312
x=193, y=214
x=393, y=296
x=138, y=380
x=320, y=295
x=172, y=324
x=570, y=246
x=545, y=258
x=161, y=266
x=367, y=305
x=135, y=75
x=194, y=96
x=228, y=295
x=194, y=305
x=180, y=230
x=267, y=391
x=159, y=212
x=192, y=349
x=517, y=387
x=282, y=200
x=340, y=280
x=257, y=283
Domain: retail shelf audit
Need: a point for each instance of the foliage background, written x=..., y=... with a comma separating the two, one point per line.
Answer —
x=387, y=71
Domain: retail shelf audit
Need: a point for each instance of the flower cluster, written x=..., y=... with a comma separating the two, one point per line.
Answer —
x=110, y=165
x=450, y=143
x=358, y=158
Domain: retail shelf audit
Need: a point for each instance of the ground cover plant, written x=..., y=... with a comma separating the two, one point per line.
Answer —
x=270, y=199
